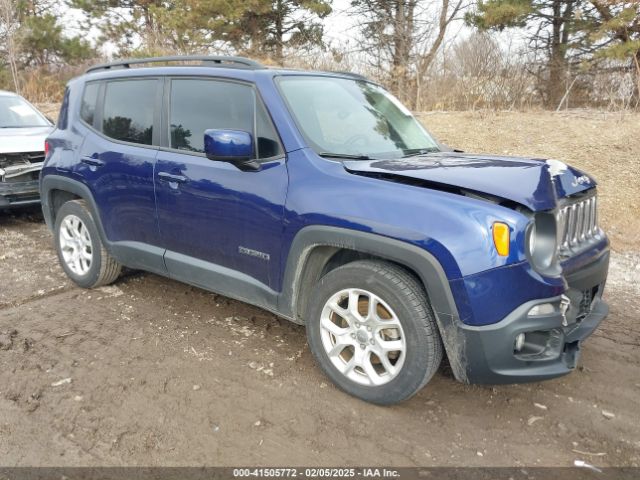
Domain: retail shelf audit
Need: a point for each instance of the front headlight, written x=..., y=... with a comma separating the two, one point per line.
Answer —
x=541, y=241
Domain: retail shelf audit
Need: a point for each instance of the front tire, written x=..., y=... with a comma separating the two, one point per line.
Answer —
x=80, y=250
x=371, y=330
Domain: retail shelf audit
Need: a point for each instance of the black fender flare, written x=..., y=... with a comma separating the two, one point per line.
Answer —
x=425, y=265
x=58, y=182
x=414, y=258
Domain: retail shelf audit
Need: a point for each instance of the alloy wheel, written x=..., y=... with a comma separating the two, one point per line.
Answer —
x=75, y=245
x=363, y=337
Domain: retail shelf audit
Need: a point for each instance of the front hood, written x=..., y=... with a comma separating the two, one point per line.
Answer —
x=534, y=183
x=16, y=140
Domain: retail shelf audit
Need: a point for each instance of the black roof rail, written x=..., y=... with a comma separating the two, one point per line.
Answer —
x=214, y=60
x=350, y=74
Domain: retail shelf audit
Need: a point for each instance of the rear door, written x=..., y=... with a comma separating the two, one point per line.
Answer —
x=118, y=155
x=213, y=216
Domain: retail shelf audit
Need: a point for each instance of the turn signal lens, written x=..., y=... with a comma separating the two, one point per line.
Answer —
x=501, y=238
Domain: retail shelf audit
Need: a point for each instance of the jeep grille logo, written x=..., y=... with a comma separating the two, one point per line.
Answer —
x=581, y=180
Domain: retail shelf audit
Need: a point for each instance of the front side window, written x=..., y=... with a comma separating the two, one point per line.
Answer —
x=199, y=105
x=128, y=110
x=15, y=112
x=353, y=117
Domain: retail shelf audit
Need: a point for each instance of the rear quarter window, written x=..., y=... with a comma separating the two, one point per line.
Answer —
x=63, y=115
x=89, y=102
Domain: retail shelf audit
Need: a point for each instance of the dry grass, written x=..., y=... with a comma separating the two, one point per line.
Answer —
x=51, y=110
x=606, y=145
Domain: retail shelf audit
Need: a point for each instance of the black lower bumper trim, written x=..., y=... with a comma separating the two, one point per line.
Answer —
x=490, y=357
x=488, y=354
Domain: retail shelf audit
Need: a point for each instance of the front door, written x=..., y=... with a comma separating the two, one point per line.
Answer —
x=215, y=220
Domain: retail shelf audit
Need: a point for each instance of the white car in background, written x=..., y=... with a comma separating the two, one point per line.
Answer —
x=23, y=130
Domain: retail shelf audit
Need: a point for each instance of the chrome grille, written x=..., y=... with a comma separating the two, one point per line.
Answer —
x=577, y=223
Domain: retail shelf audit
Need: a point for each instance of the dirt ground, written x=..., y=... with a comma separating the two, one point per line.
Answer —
x=153, y=372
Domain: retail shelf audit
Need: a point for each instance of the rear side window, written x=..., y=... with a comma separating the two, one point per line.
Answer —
x=199, y=105
x=128, y=110
x=89, y=101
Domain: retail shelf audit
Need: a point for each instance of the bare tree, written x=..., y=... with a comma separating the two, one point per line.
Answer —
x=402, y=37
x=477, y=72
x=9, y=26
x=448, y=13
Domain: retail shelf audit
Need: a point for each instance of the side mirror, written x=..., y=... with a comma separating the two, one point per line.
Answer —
x=233, y=146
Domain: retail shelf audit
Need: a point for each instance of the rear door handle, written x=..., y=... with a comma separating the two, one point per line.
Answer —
x=168, y=177
x=94, y=162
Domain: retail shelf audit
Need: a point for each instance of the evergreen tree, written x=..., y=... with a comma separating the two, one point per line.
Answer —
x=259, y=27
x=618, y=23
x=42, y=43
x=568, y=33
x=550, y=28
x=267, y=27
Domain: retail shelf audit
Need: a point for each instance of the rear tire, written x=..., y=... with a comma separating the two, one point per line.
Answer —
x=371, y=330
x=80, y=250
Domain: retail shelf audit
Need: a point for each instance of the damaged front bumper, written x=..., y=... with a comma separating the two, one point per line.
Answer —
x=540, y=339
x=19, y=185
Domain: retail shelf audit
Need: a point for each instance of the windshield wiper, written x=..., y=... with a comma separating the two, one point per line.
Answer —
x=414, y=152
x=345, y=155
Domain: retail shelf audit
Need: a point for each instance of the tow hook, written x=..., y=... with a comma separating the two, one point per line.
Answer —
x=565, y=303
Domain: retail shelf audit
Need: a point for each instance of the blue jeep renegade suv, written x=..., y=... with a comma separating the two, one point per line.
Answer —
x=319, y=197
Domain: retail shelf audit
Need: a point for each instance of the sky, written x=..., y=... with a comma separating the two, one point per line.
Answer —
x=339, y=26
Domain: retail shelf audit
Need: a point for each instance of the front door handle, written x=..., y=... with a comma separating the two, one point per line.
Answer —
x=168, y=177
x=92, y=162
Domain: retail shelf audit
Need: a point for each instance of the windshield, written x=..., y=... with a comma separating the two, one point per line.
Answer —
x=355, y=118
x=17, y=113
